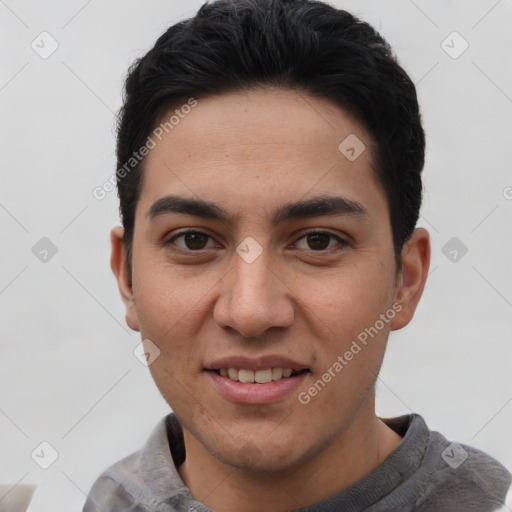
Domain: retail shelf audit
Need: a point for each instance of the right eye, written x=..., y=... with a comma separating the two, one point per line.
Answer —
x=191, y=241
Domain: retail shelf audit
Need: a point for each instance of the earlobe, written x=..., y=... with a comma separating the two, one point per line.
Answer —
x=411, y=283
x=120, y=270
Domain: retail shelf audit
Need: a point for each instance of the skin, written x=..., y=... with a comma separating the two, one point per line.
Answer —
x=251, y=153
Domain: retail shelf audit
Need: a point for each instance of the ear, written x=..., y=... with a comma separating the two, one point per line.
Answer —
x=120, y=269
x=412, y=277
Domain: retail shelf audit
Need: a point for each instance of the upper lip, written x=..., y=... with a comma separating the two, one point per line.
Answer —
x=255, y=364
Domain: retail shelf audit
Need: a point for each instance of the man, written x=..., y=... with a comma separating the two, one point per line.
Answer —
x=269, y=174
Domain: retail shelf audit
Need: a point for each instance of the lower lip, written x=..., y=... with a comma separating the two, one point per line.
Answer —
x=238, y=392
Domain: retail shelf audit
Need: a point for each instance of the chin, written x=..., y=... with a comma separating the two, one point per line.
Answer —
x=259, y=454
x=257, y=459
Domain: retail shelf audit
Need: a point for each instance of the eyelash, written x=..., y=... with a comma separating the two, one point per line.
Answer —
x=171, y=241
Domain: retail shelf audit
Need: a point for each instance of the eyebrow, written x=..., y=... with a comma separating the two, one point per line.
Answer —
x=314, y=207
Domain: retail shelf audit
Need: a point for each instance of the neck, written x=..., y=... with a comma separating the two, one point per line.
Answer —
x=355, y=453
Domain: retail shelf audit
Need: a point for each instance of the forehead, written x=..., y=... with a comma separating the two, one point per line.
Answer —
x=261, y=118
x=261, y=147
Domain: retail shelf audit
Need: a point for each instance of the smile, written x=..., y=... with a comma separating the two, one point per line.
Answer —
x=258, y=376
x=253, y=387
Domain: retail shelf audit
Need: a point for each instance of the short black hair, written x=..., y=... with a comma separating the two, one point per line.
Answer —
x=306, y=45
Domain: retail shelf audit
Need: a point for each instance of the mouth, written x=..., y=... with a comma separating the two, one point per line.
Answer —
x=262, y=381
x=265, y=376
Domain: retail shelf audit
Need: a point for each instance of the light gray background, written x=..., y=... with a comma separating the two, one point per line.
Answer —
x=67, y=372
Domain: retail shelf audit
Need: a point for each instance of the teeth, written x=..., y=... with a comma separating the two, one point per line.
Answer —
x=263, y=376
x=245, y=375
x=277, y=373
x=259, y=376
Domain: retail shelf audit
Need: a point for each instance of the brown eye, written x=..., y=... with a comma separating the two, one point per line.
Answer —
x=191, y=240
x=320, y=241
x=195, y=240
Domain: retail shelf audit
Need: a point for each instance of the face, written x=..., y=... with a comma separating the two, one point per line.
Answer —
x=244, y=271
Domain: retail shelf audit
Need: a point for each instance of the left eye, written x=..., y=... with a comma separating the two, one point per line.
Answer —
x=320, y=241
x=192, y=240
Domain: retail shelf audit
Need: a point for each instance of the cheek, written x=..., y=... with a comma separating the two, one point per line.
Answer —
x=347, y=312
x=164, y=294
x=172, y=306
x=347, y=303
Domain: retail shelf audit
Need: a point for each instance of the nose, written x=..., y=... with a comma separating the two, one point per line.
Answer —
x=254, y=298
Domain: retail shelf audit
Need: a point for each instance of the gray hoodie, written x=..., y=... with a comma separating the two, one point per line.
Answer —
x=425, y=473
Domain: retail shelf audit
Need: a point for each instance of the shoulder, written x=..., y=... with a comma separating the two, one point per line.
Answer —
x=135, y=483
x=432, y=473
x=458, y=476
x=114, y=488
